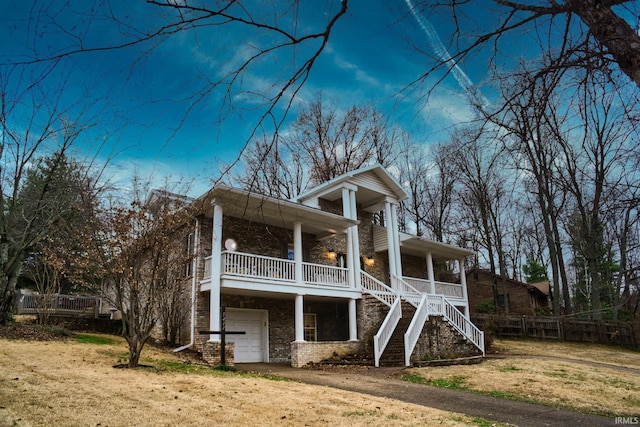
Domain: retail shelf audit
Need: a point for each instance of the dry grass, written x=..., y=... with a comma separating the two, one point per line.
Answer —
x=567, y=383
x=70, y=383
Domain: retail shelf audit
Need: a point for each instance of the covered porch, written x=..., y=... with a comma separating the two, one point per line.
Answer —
x=261, y=249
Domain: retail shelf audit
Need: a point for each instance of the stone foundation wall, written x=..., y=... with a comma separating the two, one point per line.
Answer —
x=304, y=352
x=440, y=340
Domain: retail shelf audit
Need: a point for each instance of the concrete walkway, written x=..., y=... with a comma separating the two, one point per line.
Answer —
x=387, y=382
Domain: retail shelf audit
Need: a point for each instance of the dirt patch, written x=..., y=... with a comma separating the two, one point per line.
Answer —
x=33, y=332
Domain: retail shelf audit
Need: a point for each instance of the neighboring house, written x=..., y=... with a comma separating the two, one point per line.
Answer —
x=523, y=298
x=325, y=274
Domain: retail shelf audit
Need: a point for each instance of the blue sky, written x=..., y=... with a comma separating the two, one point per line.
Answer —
x=142, y=101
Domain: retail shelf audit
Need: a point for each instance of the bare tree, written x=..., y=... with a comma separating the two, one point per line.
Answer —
x=331, y=142
x=595, y=169
x=270, y=167
x=33, y=123
x=588, y=34
x=323, y=142
x=479, y=164
x=135, y=245
x=532, y=121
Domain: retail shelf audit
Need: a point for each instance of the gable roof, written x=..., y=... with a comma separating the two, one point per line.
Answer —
x=373, y=184
x=527, y=286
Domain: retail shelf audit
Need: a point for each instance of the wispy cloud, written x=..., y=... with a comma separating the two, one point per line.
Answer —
x=443, y=54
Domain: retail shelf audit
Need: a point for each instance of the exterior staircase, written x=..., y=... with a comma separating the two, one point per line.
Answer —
x=394, y=353
x=408, y=311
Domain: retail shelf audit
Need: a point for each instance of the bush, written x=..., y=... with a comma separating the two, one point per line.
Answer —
x=486, y=307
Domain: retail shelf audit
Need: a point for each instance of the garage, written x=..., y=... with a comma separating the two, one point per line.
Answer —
x=250, y=347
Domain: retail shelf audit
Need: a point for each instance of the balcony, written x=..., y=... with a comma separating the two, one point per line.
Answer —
x=243, y=270
x=257, y=272
x=453, y=291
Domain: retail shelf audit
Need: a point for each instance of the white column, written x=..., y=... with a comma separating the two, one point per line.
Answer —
x=430, y=274
x=463, y=282
x=299, y=316
x=297, y=251
x=346, y=212
x=390, y=239
x=396, y=235
x=216, y=260
x=355, y=240
x=353, y=322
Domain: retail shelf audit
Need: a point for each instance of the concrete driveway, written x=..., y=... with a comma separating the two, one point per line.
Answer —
x=387, y=382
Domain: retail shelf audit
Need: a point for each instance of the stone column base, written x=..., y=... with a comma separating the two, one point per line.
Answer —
x=212, y=351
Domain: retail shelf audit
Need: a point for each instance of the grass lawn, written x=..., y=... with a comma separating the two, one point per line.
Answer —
x=73, y=382
x=530, y=372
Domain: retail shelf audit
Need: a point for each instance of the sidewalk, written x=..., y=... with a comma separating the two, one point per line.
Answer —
x=386, y=382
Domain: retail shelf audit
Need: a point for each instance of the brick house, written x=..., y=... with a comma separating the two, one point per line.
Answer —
x=324, y=274
x=523, y=298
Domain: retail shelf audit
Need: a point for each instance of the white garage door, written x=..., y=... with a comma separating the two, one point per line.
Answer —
x=249, y=348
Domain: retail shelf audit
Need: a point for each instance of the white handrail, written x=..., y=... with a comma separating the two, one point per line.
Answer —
x=437, y=288
x=377, y=289
x=324, y=275
x=381, y=339
x=415, y=328
x=407, y=292
x=258, y=266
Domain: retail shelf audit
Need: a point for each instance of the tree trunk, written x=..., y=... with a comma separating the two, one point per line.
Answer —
x=613, y=32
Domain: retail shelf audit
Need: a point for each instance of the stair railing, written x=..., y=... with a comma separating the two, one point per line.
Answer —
x=407, y=292
x=440, y=305
x=415, y=328
x=381, y=339
x=464, y=325
x=377, y=289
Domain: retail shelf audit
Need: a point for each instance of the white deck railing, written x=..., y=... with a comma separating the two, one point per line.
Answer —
x=376, y=288
x=250, y=265
x=408, y=292
x=317, y=274
x=381, y=339
x=438, y=288
x=415, y=328
x=278, y=269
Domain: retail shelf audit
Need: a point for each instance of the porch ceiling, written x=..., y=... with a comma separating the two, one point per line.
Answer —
x=418, y=246
x=273, y=211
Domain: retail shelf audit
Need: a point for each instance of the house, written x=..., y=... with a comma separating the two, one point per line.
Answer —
x=485, y=288
x=324, y=274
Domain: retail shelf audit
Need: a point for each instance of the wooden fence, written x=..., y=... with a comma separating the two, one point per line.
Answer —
x=59, y=304
x=558, y=329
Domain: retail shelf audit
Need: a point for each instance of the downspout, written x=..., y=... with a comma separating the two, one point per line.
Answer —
x=194, y=275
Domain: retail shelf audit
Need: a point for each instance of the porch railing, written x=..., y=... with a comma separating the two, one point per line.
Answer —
x=377, y=289
x=251, y=265
x=407, y=292
x=264, y=267
x=317, y=274
x=438, y=288
x=381, y=339
x=415, y=328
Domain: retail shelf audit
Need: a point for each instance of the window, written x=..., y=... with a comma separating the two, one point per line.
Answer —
x=310, y=329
